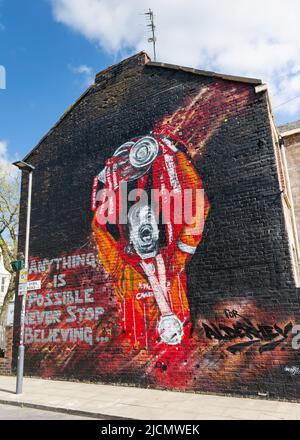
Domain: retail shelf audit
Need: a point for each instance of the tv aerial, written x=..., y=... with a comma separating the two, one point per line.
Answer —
x=151, y=25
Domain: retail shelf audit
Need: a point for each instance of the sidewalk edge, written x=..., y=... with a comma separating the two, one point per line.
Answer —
x=75, y=412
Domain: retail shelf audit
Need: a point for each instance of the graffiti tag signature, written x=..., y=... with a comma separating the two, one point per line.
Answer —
x=268, y=336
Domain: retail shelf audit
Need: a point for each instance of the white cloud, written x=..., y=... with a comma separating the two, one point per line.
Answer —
x=3, y=151
x=257, y=38
x=5, y=163
x=86, y=72
x=5, y=160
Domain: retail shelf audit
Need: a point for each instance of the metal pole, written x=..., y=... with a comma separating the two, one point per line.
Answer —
x=21, y=349
x=153, y=35
x=152, y=26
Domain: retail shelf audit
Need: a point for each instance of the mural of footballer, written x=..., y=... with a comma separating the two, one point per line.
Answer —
x=147, y=260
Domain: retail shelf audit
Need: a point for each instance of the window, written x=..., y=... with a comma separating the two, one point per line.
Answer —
x=2, y=285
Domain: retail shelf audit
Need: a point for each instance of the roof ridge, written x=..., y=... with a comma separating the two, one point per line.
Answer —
x=243, y=79
x=289, y=126
x=147, y=62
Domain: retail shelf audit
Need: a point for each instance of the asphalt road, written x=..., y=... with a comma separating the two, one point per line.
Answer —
x=17, y=413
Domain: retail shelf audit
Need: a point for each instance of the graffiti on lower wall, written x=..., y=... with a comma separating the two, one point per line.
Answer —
x=56, y=304
x=79, y=329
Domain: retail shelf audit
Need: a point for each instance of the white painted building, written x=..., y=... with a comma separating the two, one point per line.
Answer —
x=4, y=280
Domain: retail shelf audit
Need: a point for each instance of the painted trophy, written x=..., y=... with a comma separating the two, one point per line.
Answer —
x=163, y=317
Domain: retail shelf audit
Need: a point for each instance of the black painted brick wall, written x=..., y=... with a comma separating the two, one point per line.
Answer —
x=244, y=253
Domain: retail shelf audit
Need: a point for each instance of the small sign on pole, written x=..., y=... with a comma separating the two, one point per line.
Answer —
x=23, y=276
x=18, y=265
x=22, y=289
x=34, y=285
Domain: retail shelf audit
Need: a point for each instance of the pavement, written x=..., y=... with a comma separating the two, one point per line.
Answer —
x=8, y=412
x=116, y=402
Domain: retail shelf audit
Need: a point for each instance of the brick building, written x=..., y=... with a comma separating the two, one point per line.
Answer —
x=6, y=352
x=291, y=134
x=211, y=311
x=4, y=284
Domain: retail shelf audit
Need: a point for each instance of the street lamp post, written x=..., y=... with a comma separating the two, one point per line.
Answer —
x=23, y=166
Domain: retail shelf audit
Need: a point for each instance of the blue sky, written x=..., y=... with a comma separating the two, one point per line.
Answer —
x=40, y=57
x=52, y=48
